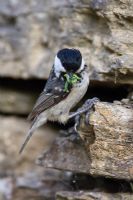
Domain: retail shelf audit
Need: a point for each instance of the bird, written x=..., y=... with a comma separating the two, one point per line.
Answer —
x=67, y=84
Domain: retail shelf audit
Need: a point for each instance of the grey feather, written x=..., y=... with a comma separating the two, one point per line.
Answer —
x=28, y=136
x=52, y=94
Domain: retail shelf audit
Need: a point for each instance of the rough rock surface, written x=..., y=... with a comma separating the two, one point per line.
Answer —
x=31, y=32
x=92, y=196
x=20, y=177
x=112, y=149
x=33, y=185
x=16, y=101
x=65, y=155
x=108, y=141
x=12, y=134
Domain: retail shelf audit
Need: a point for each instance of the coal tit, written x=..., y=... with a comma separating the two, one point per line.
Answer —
x=67, y=84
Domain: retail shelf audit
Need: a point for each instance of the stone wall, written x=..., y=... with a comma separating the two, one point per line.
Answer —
x=31, y=32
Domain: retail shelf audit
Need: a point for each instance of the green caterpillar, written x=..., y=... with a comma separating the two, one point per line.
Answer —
x=70, y=81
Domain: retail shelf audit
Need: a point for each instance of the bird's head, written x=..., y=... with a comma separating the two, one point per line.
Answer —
x=68, y=61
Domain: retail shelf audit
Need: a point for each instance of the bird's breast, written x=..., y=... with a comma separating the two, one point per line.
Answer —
x=60, y=111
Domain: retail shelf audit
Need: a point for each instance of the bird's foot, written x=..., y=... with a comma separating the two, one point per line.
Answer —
x=85, y=109
x=90, y=105
x=72, y=132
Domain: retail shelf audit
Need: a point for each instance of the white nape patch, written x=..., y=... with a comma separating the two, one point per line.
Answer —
x=81, y=66
x=58, y=67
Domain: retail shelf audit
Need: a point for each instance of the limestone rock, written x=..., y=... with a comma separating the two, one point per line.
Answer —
x=112, y=149
x=15, y=101
x=33, y=185
x=31, y=32
x=12, y=133
x=108, y=144
x=92, y=196
x=20, y=177
x=38, y=187
x=64, y=154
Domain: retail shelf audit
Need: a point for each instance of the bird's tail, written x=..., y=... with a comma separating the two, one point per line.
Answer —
x=28, y=136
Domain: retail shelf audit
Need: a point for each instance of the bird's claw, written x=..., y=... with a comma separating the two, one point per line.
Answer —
x=90, y=105
x=85, y=109
x=90, y=102
x=77, y=121
x=87, y=117
x=72, y=133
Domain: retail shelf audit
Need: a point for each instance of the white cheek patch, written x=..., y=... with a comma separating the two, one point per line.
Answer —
x=58, y=67
x=82, y=66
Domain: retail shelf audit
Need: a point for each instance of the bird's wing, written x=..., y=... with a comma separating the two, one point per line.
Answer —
x=44, y=102
x=53, y=93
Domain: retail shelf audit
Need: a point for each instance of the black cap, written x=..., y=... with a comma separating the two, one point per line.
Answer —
x=70, y=58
